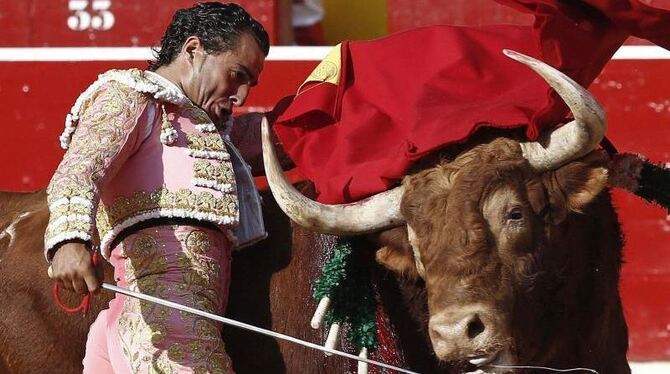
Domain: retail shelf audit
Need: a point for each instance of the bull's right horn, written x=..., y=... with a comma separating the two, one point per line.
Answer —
x=574, y=139
x=375, y=213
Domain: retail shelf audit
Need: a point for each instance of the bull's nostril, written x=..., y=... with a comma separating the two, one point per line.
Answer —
x=475, y=327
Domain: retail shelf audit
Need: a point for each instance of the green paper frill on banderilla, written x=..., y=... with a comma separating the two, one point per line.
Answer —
x=347, y=280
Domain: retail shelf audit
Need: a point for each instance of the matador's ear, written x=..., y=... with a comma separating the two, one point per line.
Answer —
x=191, y=47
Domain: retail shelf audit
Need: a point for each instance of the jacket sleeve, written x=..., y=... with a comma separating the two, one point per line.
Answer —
x=107, y=134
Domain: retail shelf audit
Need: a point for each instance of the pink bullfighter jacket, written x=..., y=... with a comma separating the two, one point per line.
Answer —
x=143, y=150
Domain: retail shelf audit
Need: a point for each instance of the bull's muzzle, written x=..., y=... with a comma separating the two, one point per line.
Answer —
x=462, y=332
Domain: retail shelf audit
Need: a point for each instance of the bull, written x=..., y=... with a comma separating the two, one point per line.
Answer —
x=498, y=260
x=517, y=244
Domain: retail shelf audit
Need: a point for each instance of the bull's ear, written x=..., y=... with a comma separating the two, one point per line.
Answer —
x=574, y=185
x=395, y=253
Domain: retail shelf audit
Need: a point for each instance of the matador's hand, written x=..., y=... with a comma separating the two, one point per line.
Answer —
x=73, y=268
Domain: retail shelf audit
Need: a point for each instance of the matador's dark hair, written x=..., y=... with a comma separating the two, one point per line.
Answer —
x=217, y=25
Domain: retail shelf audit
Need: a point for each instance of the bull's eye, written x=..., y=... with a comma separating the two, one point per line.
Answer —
x=515, y=214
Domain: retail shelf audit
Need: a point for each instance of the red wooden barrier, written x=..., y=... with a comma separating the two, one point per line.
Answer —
x=119, y=23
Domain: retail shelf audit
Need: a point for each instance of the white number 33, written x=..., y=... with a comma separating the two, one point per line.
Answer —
x=98, y=17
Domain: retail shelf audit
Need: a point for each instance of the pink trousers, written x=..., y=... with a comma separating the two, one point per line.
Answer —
x=189, y=265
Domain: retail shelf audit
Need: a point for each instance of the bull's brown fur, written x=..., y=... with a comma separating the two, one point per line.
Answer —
x=35, y=336
x=549, y=285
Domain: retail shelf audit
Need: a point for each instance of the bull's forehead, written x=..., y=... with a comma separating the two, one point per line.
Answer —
x=474, y=184
x=477, y=206
x=500, y=149
x=450, y=198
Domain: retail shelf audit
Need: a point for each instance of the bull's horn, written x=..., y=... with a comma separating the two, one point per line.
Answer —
x=574, y=139
x=372, y=214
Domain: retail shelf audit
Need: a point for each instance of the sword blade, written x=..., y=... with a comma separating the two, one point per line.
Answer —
x=246, y=326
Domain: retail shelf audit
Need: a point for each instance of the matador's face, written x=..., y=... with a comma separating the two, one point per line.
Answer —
x=218, y=82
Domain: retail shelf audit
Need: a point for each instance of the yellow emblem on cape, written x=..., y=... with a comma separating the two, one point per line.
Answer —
x=328, y=70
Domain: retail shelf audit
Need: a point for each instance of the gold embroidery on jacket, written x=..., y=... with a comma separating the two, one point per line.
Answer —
x=70, y=188
x=67, y=227
x=106, y=122
x=70, y=209
x=207, y=145
x=205, y=142
x=198, y=115
x=197, y=205
x=216, y=175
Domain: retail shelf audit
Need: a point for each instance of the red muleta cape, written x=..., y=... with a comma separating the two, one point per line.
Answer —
x=372, y=108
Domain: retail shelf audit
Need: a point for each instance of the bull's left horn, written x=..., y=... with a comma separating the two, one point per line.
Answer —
x=372, y=214
x=574, y=139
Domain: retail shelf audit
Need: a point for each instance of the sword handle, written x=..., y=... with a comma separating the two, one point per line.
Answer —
x=83, y=306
